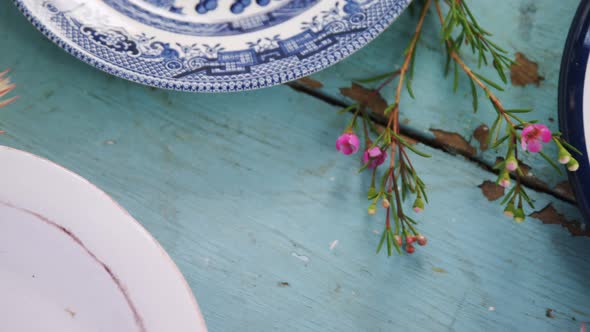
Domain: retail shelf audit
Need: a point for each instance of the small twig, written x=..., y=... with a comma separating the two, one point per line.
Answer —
x=455, y=56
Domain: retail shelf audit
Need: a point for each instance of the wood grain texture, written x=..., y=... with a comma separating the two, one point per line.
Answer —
x=247, y=193
x=537, y=29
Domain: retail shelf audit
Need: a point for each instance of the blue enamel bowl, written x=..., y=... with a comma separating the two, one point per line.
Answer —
x=574, y=102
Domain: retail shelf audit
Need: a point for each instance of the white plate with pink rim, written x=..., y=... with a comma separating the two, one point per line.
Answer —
x=71, y=259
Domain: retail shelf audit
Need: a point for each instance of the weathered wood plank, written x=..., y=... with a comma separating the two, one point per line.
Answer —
x=536, y=28
x=247, y=193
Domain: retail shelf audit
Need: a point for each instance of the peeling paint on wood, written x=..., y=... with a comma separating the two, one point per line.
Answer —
x=524, y=71
x=310, y=83
x=565, y=189
x=364, y=96
x=453, y=141
x=549, y=215
x=491, y=190
x=481, y=134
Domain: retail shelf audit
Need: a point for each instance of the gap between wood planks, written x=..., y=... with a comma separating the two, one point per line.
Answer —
x=531, y=183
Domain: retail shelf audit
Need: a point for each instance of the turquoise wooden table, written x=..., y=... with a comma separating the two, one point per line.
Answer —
x=247, y=193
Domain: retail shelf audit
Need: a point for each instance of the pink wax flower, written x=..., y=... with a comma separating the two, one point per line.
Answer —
x=374, y=157
x=533, y=135
x=347, y=143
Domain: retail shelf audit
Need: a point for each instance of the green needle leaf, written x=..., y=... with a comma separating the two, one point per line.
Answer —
x=381, y=241
x=489, y=82
x=474, y=95
x=375, y=78
x=551, y=162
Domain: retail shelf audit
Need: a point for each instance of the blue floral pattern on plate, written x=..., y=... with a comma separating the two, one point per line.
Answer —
x=314, y=35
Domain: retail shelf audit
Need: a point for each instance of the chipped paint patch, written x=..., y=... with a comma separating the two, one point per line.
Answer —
x=491, y=190
x=481, y=134
x=364, y=96
x=549, y=215
x=311, y=83
x=524, y=71
x=453, y=142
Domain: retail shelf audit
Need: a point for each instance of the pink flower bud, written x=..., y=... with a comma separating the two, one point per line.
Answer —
x=418, y=205
x=504, y=179
x=374, y=157
x=385, y=203
x=422, y=240
x=410, y=239
x=347, y=143
x=410, y=249
x=511, y=164
x=398, y=240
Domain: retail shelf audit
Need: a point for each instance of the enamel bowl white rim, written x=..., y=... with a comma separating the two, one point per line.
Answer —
x=88, y=223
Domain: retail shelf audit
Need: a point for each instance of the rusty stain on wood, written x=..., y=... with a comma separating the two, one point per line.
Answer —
x=453, y=141
x=310, y=83
x=491, y=190
x=481, y=134
x=364, y=96
x=549, y=215
x=524, y=71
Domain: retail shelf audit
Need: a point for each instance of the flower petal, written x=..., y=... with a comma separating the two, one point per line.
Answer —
x=365, y=157
x=354, y=142
x=374, y=152
x=346, y=149
x=546, y=135
x=527, y=130
x=534, y=146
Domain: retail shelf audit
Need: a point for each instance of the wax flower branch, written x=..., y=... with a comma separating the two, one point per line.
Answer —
x=392, y=185
x=5, y=88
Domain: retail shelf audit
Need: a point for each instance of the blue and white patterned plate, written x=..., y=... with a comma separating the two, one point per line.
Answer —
x=211, y=45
